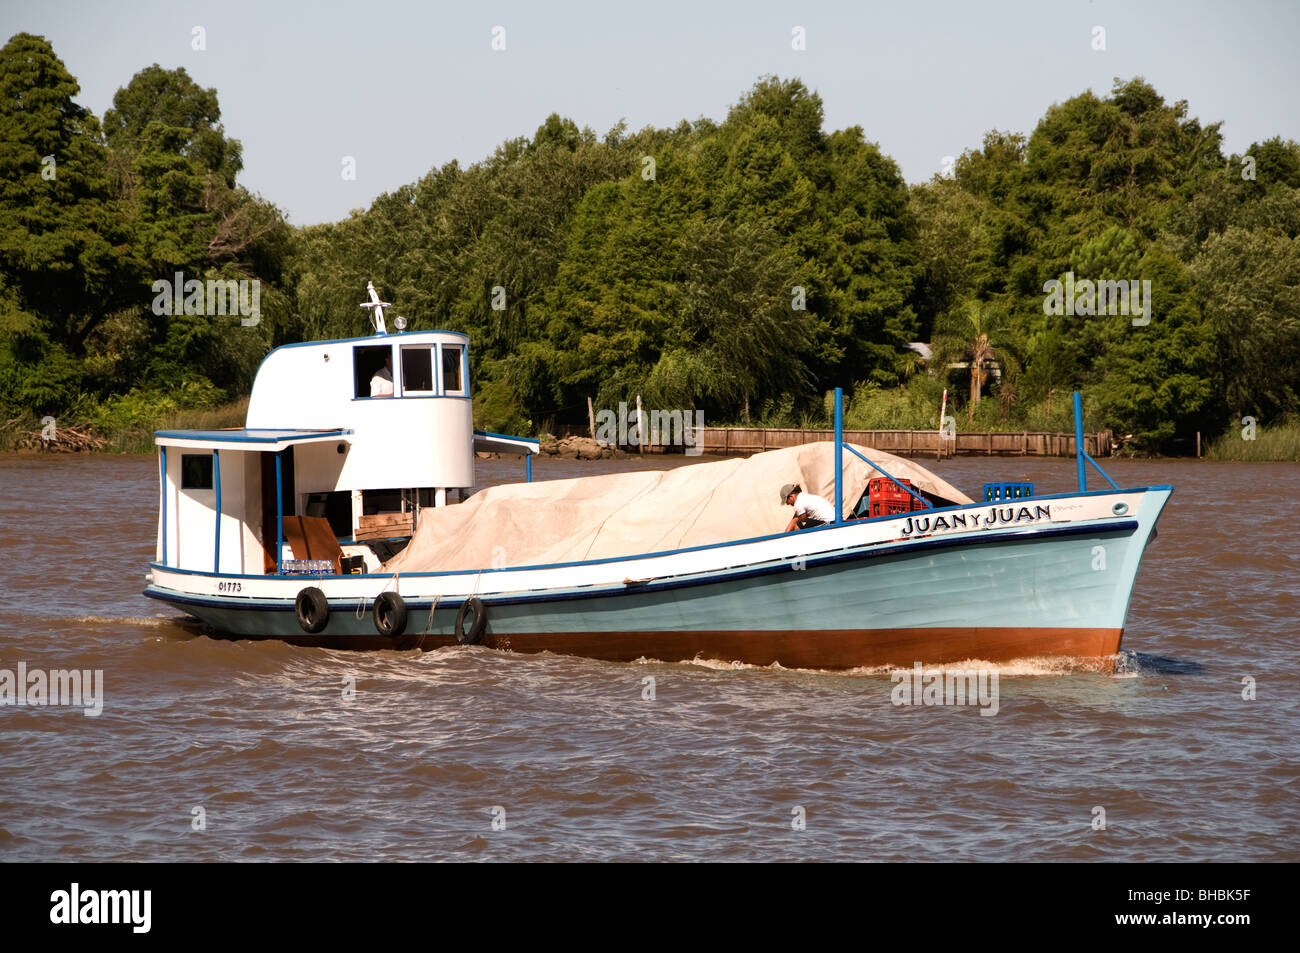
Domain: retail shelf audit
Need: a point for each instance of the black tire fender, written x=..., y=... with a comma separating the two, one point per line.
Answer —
x=477, y=627
x=390, y=614
x=312, y=609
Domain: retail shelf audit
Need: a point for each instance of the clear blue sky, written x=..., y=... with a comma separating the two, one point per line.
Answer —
x=406, y=86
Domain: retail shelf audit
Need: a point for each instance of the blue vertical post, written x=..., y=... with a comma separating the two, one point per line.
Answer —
x=528, y=468
x=1078, y=442
x=163, y=452
x=279, y=515
x=839, y=455
x=216, y=480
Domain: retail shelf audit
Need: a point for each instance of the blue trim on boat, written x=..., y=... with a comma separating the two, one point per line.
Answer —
x=1099, y=469
x=1078, y=442
x=288, y=435
x=873, y=551
x=506, y=436
x=162, y=458
x=925, y=504
x=279, y=515
x=216, y=546
x=420, y=396
x=369, y=337
x=839, y=456
x=689, y=549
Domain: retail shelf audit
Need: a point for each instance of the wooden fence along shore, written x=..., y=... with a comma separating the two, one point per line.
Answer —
x=906, y=443
x=726, y=441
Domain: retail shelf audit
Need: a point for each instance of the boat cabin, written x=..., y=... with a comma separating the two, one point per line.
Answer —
x=345, y=443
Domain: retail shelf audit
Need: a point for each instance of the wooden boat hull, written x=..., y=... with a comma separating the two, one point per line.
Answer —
x=1054, y=578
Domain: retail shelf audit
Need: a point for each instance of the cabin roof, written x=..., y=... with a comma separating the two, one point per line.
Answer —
x=386, y=338
x=243, y=438
x=487, y=442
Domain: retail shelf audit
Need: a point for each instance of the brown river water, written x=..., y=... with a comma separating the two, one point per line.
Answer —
x=211, y=750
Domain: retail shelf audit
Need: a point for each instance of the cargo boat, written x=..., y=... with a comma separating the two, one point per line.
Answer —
x=343, y=515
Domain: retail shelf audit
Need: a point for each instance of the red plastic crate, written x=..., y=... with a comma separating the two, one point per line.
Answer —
x=887, y=498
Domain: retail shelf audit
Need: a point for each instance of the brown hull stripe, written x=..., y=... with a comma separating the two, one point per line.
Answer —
x=827, y=649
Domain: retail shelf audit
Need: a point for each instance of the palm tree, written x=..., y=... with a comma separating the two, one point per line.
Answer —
x=969, y=334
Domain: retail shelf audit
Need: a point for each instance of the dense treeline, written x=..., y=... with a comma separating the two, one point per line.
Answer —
x=92, y=214
x=741, y=267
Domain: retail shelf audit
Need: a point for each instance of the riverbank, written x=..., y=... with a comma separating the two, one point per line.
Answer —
x=127, y=426
x=1277, y=444
x=120, y=427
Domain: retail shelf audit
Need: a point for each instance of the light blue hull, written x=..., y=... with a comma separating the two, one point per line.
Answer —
x=1060, y=589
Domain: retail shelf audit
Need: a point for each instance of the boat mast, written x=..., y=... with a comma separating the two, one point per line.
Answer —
x=839, y=455
x=376, y=309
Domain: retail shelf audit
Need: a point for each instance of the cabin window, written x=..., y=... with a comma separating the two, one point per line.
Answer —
x=417, y=370
x=452, y=377
x=367, y=361
x=374, y=502
x=381, y=501
x=196, y=471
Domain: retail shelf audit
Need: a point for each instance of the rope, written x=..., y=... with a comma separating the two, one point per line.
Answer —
x=428, y=625
x=361, y=606
x=704, y=504
x=600, y=528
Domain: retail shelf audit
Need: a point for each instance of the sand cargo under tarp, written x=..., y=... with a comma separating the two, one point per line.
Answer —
x=647, y=511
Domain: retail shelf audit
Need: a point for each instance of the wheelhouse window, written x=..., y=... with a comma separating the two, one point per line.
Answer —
x=453, y=377
x=381, y=501
x=372, y=372
x=196, y=471
x=417, y=369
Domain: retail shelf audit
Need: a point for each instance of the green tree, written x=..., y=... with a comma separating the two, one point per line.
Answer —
x=63, y=258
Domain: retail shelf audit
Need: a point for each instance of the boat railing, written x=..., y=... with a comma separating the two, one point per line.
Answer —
x=1081, y=456
x=841, y=446
x=925, y=504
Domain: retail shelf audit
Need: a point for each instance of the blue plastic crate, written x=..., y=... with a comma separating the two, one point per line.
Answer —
x=999, y=492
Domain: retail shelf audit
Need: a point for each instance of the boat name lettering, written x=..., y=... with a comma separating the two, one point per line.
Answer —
x=994, y=516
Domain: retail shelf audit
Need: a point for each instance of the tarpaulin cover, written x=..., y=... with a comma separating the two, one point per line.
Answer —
x=647, y=511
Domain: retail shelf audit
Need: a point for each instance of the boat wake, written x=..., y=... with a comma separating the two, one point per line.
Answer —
x=1137, y=664
x=137, y=621
x=1125, y=664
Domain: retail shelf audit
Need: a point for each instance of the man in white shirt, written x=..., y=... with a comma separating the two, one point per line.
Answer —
x=381, y=385
x=809, y=508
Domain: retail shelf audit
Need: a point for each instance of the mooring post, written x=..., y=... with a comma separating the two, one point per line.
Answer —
x=839, y=455
x=943, y=409
x=1078, y=442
